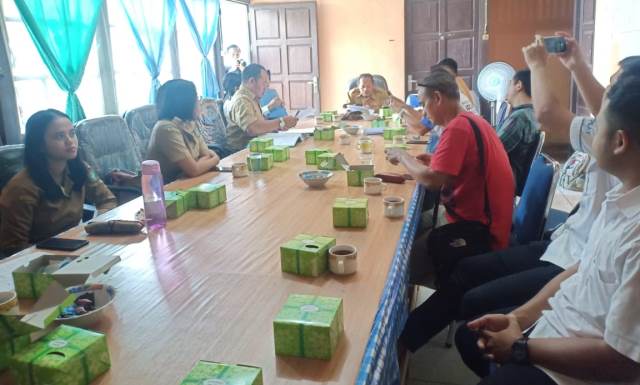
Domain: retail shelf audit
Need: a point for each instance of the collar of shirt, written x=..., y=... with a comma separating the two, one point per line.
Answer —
x=67, y=184
x=186, y=126
x=522, y=107
x=627, y=202
x=246, y=92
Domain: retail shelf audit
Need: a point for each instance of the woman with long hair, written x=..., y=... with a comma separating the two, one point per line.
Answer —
x=47, y=196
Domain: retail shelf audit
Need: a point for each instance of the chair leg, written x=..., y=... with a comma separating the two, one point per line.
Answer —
x=450, y=331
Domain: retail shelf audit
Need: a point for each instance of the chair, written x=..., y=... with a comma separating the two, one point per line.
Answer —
x=378, y=81
x=106, y=144
x=533, y=208
x=140, y=122
x=533, y=154
x=11, y=162
x=213, y=128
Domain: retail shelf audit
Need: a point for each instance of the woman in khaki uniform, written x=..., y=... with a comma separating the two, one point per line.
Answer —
x=46, y=197
x=176, y=142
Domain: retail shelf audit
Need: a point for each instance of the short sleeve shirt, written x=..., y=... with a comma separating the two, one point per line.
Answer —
x=244, y=110
x=375, y=101
x=457, y=156
x=172, y=141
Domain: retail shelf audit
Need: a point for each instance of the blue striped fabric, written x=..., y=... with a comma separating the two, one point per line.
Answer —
x=379, y=364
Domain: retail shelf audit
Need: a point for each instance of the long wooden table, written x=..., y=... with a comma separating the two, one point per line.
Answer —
x=209, y=285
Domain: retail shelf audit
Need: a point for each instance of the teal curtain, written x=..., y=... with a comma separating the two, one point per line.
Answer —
x=63, y=31
x=151, y=22
x=203, y=17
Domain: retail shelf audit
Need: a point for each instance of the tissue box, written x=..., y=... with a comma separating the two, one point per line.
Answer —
x=31, y=282
x=260, y=162
x=311, y=156
x=328, y=116
x=260, y=144
x=174, y=204
x=306, y=254
x=11, y=346
x=280, y=153
x=210, y=195
x=356, y=174
x=385, y=112
x=218, y=373
x=324, y=133
x=390, y=132
x=350, y=212
x=308, y=326
x=66, y=356
x=190, y=198
x=379, y=123
x=327, y=161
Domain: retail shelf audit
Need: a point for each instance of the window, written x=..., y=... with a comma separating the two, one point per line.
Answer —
x=35, y=88
x=188, y=53
x=234, y=21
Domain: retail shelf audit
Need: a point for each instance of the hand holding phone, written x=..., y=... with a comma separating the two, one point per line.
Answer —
x=555, y=44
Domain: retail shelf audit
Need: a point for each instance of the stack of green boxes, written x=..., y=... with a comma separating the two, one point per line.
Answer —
x=328, y=116
x=174, y=203
x=327, y=161
x=260, y=144
x=385, y=112
x=357, y=173
x=324, y=133
x=350, y=212
x=260, y=162
x=210, y=195
x=311, y=155
x=309, y=326
x=204, y=196
x=306, y=254
x=65, y=356
x=280, y=153
x=390, y=132
x=380, y=123
x=210, y=373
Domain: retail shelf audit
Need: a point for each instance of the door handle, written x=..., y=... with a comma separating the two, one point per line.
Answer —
x=314, y=83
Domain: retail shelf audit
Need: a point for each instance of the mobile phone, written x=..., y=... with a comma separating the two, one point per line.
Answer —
x=62, y=244
x=555, y=44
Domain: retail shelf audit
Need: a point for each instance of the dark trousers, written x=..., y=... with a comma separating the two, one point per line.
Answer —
x=463, y=295
x=511, y=374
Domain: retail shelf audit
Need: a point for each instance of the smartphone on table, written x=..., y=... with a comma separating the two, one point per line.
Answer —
x=62, y=244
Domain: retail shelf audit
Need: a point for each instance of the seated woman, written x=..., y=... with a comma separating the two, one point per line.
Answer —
x=175, y=142
x=46, y=197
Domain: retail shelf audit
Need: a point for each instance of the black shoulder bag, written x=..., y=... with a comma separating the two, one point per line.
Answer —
x=450, y=243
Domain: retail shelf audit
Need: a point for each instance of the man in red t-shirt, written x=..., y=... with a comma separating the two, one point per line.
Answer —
x=455, y=167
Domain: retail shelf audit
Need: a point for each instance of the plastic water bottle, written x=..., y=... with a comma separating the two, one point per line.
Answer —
x=153, y=195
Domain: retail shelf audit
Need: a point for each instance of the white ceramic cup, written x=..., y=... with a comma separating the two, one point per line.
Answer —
x=373, y=186
x=343, y=259
x=345, y=139
x=393, y=207
x=239, y=170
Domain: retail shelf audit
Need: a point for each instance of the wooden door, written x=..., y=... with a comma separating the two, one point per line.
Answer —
x=284, y=39
x=443, y=28
x=584, y=28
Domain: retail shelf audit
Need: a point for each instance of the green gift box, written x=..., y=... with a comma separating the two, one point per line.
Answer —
x=390, y=132
x=174, y=204
x=379, y=123
x=327, y=161
x=66, y=356
x=401, y=146
x=190, y=199
x=260, y=144
x=356, y=174
x=328, y=116
x=311, y=155
x=210, y=195
x=260, y=162
x=385, y=112
x=11, y=346
x=306, y=255
x=215, y=373
x=308, y=326
x=324, y=133
x=280, y=153
x=350, y=212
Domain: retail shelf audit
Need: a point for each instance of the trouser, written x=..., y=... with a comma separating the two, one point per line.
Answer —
x=511, y=374
x=445, y=304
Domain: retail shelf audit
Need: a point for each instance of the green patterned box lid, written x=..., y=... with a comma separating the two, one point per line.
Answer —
x=216, y=373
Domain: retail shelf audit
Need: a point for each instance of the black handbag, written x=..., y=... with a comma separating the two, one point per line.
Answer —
x=450, y=243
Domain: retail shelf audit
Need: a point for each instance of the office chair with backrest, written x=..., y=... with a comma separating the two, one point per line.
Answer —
x=378, y=81
x=11, y=162
x=106, y=144
x=141, y=121
x=213, y=128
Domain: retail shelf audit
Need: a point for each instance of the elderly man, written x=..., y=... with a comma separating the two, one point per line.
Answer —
x=367, y=95
x=245, y=115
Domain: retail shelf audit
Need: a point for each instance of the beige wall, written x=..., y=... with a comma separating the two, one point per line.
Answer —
x=357, y=36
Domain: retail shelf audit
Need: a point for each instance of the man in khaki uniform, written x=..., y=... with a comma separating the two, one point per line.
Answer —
x=245, y=115
x=367, y=95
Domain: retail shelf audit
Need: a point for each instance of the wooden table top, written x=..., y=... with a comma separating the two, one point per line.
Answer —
x=209, y=285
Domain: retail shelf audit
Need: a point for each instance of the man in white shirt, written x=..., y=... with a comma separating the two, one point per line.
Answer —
x=586, y=324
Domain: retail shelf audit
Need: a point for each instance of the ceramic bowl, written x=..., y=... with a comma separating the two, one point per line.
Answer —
x=351, y=129
x=104, y=295
x=315, y=179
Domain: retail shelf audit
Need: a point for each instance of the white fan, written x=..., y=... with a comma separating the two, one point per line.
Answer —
x=493, y=83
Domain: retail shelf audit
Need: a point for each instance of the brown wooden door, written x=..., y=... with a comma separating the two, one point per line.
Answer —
x=284, y=39
x=437, y=29
x=584, y=28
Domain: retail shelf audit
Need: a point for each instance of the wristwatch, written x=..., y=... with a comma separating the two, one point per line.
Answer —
x=282, y=125
x=520, y=351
